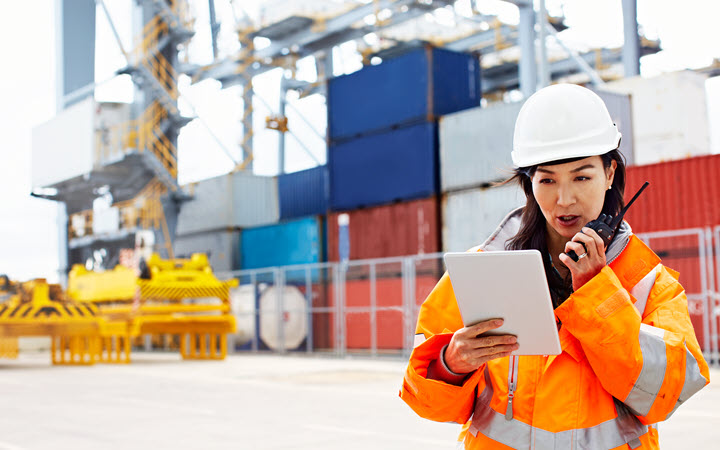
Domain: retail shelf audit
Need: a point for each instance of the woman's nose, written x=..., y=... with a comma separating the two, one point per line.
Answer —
x=566, y=196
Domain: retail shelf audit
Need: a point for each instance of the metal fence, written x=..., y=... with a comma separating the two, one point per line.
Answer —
x=370, y=307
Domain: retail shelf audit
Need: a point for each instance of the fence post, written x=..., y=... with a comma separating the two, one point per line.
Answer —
x=254, y=344
x=279, y=278
x=309, y=300
x=408, y=275
x=373, y=309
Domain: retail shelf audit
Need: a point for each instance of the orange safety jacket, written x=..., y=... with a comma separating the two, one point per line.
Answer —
x=629, y=359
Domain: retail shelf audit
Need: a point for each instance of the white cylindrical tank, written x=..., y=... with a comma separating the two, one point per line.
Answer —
x=294, y=318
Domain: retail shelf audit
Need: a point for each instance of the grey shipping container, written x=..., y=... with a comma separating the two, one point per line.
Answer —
x=470, y=216
x=222, y=248
x=475, y=146
x=228, y=201
x=620, y=109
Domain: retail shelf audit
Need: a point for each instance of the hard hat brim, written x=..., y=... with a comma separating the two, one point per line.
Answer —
x=541, y=156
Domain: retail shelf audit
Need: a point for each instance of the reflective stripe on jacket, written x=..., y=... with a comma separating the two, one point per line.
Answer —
x=629, y=359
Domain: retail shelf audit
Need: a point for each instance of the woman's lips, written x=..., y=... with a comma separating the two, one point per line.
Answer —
x=568, y=221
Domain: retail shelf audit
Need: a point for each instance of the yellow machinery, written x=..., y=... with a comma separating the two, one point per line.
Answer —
x=176, y=296
x=106, y=310
x=78, y=334
x=115, y=285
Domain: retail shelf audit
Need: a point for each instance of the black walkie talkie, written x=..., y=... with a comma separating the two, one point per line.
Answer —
x=605, y=226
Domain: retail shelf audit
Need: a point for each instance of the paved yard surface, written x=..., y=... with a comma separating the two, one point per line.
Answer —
x=246, y=402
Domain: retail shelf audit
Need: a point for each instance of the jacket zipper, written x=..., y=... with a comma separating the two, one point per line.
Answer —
x=512, y=386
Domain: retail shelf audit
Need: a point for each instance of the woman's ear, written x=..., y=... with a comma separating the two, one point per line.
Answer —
x=610, y=173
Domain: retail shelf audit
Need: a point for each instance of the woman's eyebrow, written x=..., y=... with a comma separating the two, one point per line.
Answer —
x=586, y=166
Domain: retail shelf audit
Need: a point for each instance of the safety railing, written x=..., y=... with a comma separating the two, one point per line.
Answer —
x=370, y=307
x=142, y=134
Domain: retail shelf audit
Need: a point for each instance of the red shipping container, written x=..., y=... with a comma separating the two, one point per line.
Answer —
x=389, y=323
x=407, y=228
x=682, y=194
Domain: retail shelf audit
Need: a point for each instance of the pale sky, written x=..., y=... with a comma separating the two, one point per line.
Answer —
x=28, y=232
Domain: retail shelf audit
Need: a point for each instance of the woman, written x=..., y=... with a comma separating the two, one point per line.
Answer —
x=629, y=353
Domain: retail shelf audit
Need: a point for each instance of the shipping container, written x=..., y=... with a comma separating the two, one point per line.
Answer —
x=470, y=216
x=77, y=140
x=221, y=248
x=288, y=243
x=304, y=193
x=620, y=108
x=475, y=146
x=406, y=228
x=397, y=165
x=417, y=86
x=682, y=194
x=228, y=201
x=669, y=115
x=389, y=329
x=684, y=254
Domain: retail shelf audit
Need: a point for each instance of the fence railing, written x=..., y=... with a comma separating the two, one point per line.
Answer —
x=371, y=306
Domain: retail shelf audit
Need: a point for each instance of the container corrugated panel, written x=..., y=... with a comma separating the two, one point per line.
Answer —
x=682, y=194
x=288, y=243
x=255, y=200
x=669, y=115
x=406, y=228
x=475, y=146
x=382, y=168
x=232, y=200
x=620, y=108
x=470, y=216
x=220, y=246
x=417, y=86
x=304, y=193
x=389, y=324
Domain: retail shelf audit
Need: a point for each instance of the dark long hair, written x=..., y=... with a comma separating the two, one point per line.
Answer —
x=531, y=235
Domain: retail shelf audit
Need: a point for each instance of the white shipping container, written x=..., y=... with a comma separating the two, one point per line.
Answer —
x=669, y=115
x=232, y=200
x=221, y=247
x=470, y=216
x=62, y=148
x=475, y=146
x=66, y=146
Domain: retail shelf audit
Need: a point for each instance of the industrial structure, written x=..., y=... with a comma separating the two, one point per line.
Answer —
x=337, y=257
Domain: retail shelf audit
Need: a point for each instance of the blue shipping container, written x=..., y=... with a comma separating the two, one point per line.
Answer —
x=420, y=85
x=295, y=242
x=304, y=193
x=381, y=168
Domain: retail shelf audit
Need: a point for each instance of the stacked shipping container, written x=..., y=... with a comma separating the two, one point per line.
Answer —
x=384, y=174
x=382, y=125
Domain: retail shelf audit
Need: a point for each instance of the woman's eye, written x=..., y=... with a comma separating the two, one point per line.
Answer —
x=546, y=181
x=581, y=178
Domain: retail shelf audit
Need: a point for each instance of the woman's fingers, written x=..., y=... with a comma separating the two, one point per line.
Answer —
x=483, y=327
x=492, y=341
x=599, y=243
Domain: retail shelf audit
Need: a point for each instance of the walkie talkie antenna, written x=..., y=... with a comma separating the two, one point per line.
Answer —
x=618, y=219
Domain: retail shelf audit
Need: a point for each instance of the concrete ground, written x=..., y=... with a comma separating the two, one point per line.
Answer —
x=246, y=402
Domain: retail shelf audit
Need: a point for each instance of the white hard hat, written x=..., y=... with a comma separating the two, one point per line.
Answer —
x=560, y=122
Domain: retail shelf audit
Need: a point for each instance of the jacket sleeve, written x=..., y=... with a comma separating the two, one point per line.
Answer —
x=434, y=399
x=652, y=364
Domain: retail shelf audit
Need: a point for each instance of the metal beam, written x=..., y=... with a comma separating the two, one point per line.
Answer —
x=631, y=47
x=526, y=37
x=468, y=42
x=214, y=28
x=309, y=42
x=505, y=77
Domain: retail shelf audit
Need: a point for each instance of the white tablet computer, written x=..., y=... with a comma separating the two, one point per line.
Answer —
x=511, y=286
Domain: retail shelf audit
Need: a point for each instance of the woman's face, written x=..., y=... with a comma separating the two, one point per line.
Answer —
x=572, y=194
